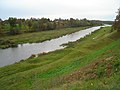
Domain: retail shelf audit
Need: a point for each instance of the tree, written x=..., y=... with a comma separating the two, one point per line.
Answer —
x=35, y=26
x=12, y=21
x=13, y=26
x=116, y=25
x=0, y=28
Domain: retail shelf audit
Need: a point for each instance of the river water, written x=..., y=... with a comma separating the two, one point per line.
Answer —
x=11, y=55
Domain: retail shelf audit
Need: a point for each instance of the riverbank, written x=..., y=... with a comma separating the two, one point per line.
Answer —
x=90, y=63
x=24, y=51
x=35, y=37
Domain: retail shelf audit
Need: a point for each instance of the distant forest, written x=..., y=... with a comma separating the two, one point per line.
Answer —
x=14, y=26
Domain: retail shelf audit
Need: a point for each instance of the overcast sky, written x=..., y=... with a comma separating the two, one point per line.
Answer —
x=90, y=9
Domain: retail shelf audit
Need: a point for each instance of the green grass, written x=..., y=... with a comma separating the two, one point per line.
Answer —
x=87, y=64
x=11, y=41
x=105, y=83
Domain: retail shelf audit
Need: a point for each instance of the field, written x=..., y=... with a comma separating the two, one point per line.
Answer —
x=91, y=63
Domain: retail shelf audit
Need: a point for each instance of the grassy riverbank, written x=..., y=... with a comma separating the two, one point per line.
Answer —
x=11, y=41
x=90, y=63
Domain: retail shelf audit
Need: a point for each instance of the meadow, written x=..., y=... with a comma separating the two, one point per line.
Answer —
x=91, y=63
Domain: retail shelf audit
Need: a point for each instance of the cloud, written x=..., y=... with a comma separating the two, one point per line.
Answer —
x=91, y=9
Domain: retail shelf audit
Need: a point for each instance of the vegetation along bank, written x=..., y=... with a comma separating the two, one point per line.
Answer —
x=85, y=64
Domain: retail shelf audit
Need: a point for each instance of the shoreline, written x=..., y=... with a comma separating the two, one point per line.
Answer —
x=12, y=44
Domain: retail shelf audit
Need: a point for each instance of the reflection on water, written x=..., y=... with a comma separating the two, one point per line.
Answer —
x=12, y=55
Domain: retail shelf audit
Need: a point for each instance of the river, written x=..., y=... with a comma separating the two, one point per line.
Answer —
x=11, y=55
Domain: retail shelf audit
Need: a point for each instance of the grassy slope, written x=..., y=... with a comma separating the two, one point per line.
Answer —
x=87, y=64
x=7, y=41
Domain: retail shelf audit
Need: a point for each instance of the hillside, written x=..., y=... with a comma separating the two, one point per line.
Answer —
x=91, y=63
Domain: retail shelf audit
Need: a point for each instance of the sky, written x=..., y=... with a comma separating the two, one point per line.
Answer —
x=90, y=9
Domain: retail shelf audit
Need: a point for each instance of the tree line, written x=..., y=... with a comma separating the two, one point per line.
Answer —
x=13, y=26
